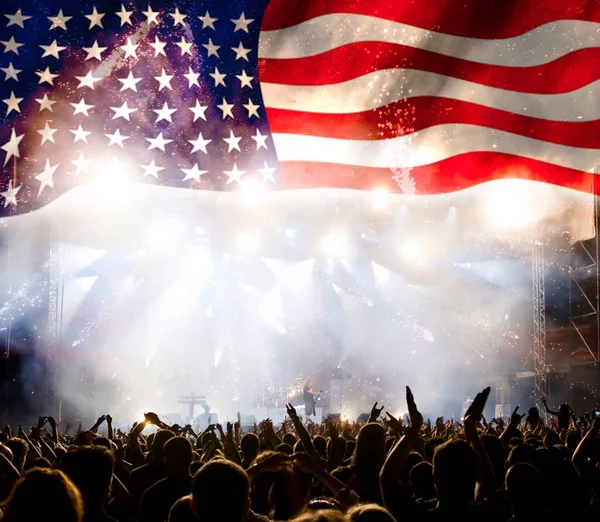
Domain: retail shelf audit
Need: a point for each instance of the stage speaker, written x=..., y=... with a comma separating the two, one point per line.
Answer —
x=363, y=418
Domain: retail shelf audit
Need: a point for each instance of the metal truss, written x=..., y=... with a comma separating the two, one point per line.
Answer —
x=54, y=326
x=540, y=364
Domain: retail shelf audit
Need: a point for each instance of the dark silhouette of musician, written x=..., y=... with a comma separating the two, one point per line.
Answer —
x=309, y=398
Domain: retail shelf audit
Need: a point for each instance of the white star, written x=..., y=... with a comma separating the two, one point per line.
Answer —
x=199, y=111
x=207, y=21
x=125, y=16
x=11, y=72
x=152, y=169
x=165, y=113
x=245, y=80
x=226, y=108
x=241, y=52
x=242, y=23
x=122, y=112
x=178, y=18
x=200, y=144
x=233, y=141
x=47, y=134
x=159, y=47
x=152, y=16
x=193, y=173
x=82, y=108
x=82, y=163
x=158, y=143
x=13, y=103
x=116, y=138
x=10, y=196
x=186, y=48
x=80, y=134
x=234, y=174
x=130, y=82
x=45, y=177
x=95, y=19
x=59, y=21
x=130, y=49
x=218, y=77
x=251, y=108
x=164, y=80
x=11, y=147
x=94, y=51
x=46, y=76
x=52, y=50
x=11, y=45
x=17, y=19
x=267, y=173
x=87, y=81
x=45, y=103
x=260, y=139
x=192, y=78
x=211, y=48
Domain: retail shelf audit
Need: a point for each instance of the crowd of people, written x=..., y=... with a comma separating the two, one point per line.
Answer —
x=383, y=470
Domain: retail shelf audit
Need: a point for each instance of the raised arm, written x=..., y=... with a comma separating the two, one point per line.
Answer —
x=304, y=436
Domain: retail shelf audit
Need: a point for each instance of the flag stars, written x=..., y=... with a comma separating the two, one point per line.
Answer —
x=233, y=141
x=11, y=73
x=45, y=177
x=164, y=80
x=186, y=47
x=260, y=139
x=95, y=51
x=245, y=80
x=226, y=109
x=218, y=77
x=208, y=21
x=80, y=134
x=130, y=49
x=234, y=175
x=165, y=113
x=87, y=81
x=199, y=144
x=46, y=76
x=267, y=173
x=158, y=143
x=151, y=16
x=11, y=147
x=81, y=164
x=59, y=21
x=241, y=52
x=159, y=47
x=152, y=169
x=130, y=82
x=199, y=111
x=52, y=50
x=178, y=18
x=82, y=108
x=193, y=173
x=95, y=19
x=116, y=138
x=122, y=112
x=125, y=16
x=10, y=195
x=192, y=78
x=47, y=134
x=213, y=50
x=13, y=103
x=251, y=108
x=17, y=19
x=242, y=23
x=11, y=46
x=45, y=103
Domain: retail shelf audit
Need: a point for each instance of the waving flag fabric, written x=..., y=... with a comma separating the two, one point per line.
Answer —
x=434, y=96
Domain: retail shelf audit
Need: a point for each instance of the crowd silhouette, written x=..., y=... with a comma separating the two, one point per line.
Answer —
x=521, y=469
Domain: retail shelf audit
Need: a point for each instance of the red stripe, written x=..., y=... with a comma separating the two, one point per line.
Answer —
x=568, y=73
x=456, y=173
x=407, y=116
x=473, y=18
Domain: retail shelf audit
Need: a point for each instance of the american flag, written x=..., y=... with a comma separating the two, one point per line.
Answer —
x=417, y=97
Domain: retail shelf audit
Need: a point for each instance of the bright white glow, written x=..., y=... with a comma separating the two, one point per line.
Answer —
x=111, y=183
x=197, y=264
x=248, y=242
x=85, y=283
x=380, y=199
x=251, y=191
x=511, y=205
x=163, y=235
x=335, y=245
x=412, y=251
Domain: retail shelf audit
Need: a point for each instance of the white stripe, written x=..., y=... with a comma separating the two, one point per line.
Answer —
x=380, y=88
x=536, y=47
x=428, y=146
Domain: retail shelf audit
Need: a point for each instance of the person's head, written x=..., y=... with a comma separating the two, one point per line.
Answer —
x=158, y=444
x=290, y=439
x=369, y=513
x=41, y=463
x=521, y=453
x=336, y=448
x=350, y=447
x=320, y=444
x=323, y=515
x=308, y=383
x=523, y=487
x=369, y=453
x=90, y=468
x=178, y=454
x=551, y=438
x=421, y=481
x=44, y=492
x=221, y=491
x=455, y=471
x=250, y=446
x=284, y=448
x=412, y=460
x=19, y=451
x=533, y=416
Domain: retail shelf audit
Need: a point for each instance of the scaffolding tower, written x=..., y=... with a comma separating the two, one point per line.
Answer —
x=540, y=364
x=54, y=327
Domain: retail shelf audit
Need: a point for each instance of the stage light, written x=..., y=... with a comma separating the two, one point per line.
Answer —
x=412, y=251
x=290, y=233
x=380, y=198
x=163, y=235
x=251, y=191
x=510, y=204
x=335, y=245
x=248, y=242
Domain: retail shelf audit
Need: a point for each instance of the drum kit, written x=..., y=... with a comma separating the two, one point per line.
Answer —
x=273, y=397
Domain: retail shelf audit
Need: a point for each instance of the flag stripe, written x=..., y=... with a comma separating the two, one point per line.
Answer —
x=430, y=145
x=537, y=47
x=471, y=18
x=452, y=174
x=416, y=114
x=583, y=67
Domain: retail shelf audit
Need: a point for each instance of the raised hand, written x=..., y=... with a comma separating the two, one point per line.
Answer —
x=515, y=418
x=395, y=424
x=475, y=412
x=152, y=418
x=416, y=419
x=291, y=411
x=375, y=412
